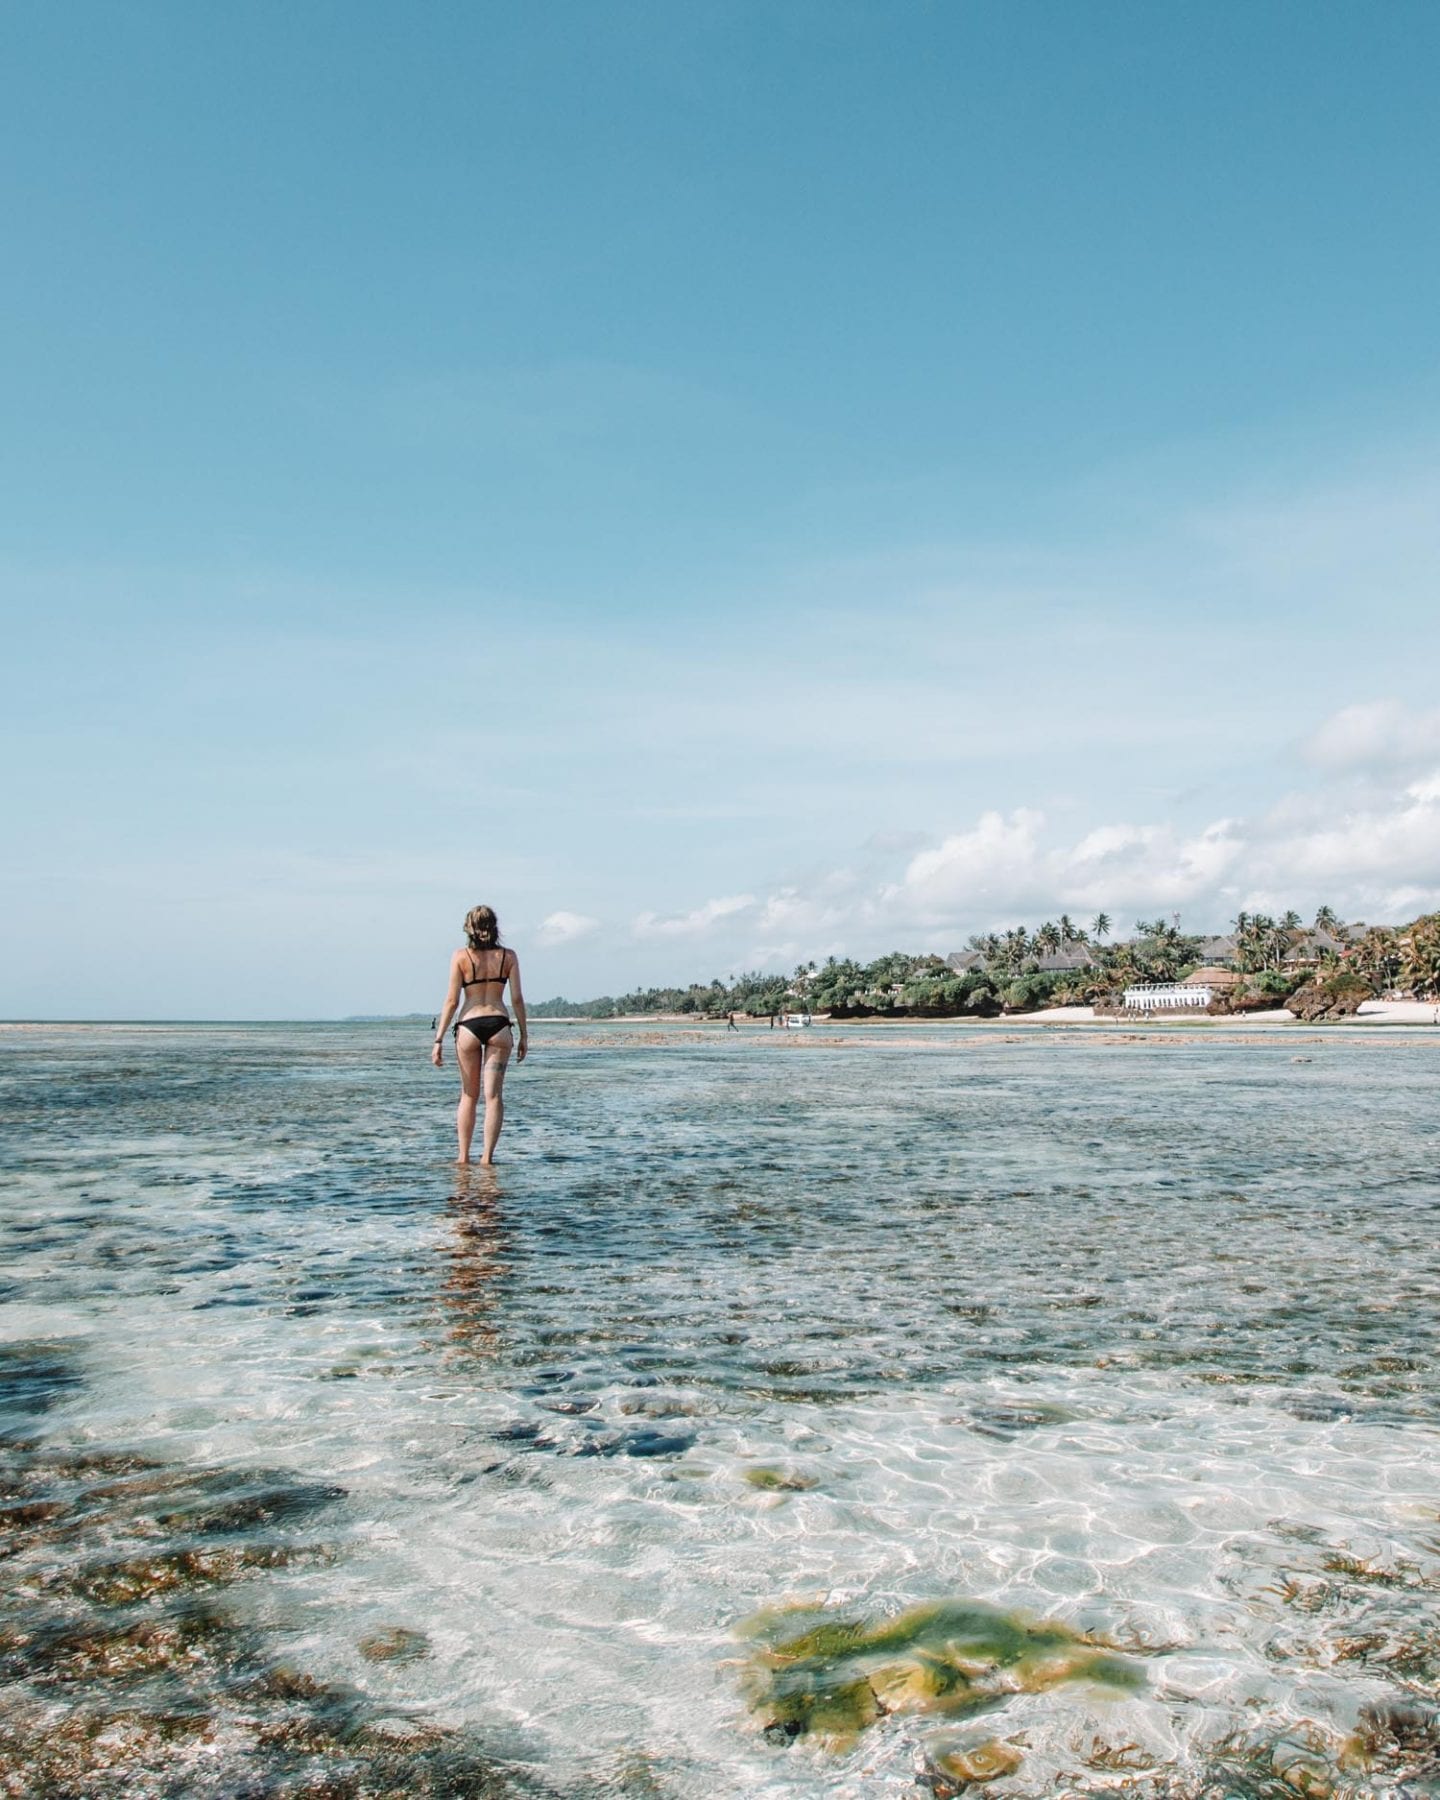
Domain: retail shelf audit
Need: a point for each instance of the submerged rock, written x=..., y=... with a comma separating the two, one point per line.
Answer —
x=148, y=1577
x=957, y=1767
x=829, y=1673
x=262, y=1505
x=637, y=1442
x=1001, y=1421
x=780, y=1481
x=1395, y=1749
x=33, y=1378
x=657, y=1443
x=97, y=1648
x=395, y=1643
x=1400, y=1736
x=836, y=1714
x=121, y=1680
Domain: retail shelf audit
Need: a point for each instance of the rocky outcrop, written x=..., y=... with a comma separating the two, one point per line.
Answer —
x=1321, y=1002
x=1244, y=1000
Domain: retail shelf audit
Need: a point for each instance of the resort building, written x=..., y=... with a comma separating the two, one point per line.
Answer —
x=1052, y=962
x=1163, y=996
x=1310, y=947
x=1064, y=962
x=965, y=962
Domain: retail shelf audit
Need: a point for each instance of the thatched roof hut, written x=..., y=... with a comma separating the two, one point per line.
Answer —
x=1215, y=977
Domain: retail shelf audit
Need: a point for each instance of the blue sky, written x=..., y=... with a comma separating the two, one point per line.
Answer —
x=723, y=483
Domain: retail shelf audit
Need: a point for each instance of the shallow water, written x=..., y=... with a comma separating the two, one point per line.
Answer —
x=1135, y=1337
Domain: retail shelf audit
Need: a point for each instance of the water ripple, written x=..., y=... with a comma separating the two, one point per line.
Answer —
x=1137, y=1338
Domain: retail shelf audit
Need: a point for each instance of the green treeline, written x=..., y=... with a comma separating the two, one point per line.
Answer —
x=1007, y=972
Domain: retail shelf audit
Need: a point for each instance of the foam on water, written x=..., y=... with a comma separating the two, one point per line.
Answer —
x=1136, y=1337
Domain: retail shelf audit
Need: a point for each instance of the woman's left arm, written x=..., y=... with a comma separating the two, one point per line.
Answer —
x=452, y=1000
x=517, y=998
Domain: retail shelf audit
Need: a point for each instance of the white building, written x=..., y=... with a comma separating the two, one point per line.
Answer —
x=1151, y=996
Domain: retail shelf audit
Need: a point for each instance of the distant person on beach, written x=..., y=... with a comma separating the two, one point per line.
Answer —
x=730, y=1024
x=483, y=1036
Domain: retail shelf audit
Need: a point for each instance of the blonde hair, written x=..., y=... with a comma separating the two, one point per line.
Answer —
x=482, y=928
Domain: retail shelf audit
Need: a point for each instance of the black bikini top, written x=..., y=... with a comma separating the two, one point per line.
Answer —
x=487, y=980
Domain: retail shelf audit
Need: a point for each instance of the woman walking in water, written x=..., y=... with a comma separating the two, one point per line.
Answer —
x=483, y=1038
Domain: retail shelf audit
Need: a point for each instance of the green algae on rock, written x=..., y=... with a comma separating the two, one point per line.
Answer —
x=780, y=1481
x=828, y=1673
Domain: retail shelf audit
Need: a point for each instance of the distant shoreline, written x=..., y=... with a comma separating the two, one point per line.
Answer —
x=1391, y=1014
x=1372, y=1012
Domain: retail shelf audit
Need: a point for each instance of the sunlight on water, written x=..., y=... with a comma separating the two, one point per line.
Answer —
x=1078, y=1395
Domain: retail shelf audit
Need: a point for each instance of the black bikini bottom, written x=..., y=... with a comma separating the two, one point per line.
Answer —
x=483, y=1026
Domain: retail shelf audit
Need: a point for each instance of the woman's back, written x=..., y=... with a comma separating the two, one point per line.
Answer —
x=484, y=987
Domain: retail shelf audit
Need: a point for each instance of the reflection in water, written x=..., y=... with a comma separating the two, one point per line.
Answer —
x=477, y=1266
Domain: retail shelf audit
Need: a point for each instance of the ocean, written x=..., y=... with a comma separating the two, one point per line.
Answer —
x=848, y=1413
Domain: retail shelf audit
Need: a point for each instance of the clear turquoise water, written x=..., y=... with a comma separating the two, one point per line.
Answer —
x=1138, y=1336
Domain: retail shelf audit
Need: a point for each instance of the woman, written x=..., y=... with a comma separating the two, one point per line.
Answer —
x=483, y=1038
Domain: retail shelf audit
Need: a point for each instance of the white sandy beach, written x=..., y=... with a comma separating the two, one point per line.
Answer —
x=1372, y=1012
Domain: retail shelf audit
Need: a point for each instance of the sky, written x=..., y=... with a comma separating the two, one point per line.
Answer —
x=724, y=484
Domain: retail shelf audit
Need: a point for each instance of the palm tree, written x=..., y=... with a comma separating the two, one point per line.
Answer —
x=1015, y=946
x=1420, y=952
x=1326, y=918
x=1120, y=965
x=1250, y=931
x=1100, y=925
x=1047, y=939
x=1378, y=957
x=1070, y=932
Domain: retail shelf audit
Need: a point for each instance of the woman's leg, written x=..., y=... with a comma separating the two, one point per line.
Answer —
x=470, y=1056
x=497, y=1057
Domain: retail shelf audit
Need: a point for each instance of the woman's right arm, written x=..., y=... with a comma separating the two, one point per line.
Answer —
x=452, y=1000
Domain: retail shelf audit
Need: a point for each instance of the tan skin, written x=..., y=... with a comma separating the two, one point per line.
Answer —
x=481, y=1066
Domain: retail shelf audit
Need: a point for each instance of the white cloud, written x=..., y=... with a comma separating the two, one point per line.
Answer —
x=693, y=924
x=1384, y=853
x=1378, y=734
x=1376, y=858
x=1002, y=869
x=997, y=859
x=565, y=928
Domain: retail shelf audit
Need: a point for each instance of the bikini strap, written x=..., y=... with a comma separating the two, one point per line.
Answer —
x=474, y=980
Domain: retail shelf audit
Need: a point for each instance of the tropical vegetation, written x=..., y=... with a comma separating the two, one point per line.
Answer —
x=1006, y=971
